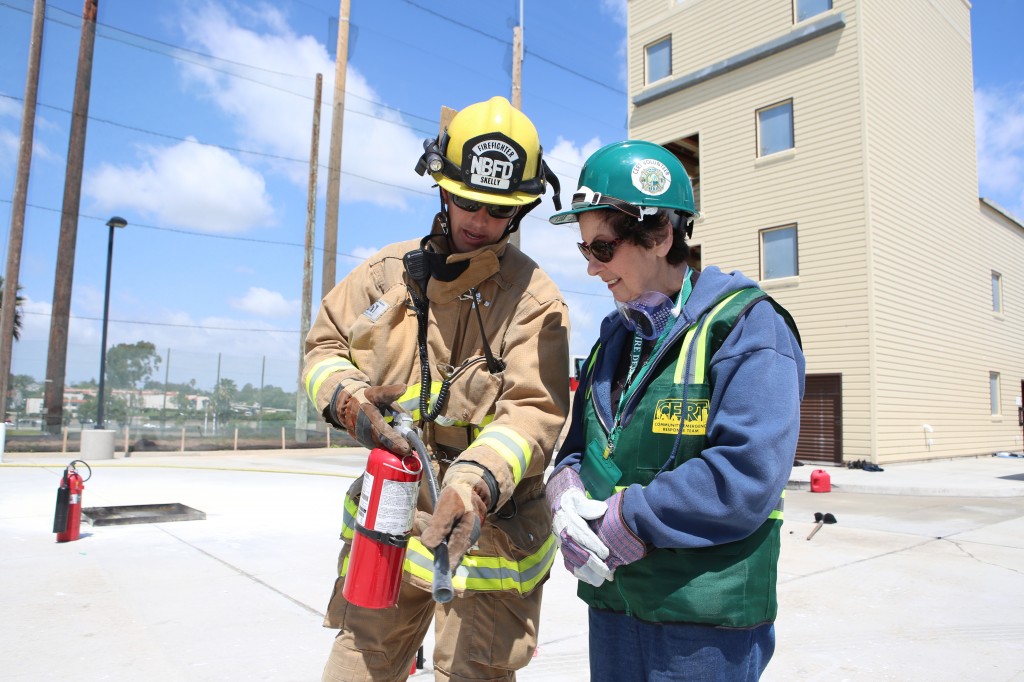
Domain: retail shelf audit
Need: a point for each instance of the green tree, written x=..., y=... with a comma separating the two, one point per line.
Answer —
x=115, y=410
x=19, y=302
x=130, y=365
x=274, y=396
x=225, y=394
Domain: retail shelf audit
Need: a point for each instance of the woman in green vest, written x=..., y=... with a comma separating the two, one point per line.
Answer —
x=667, y=492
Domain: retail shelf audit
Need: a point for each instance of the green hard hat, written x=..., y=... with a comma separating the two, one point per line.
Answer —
x=635, y=177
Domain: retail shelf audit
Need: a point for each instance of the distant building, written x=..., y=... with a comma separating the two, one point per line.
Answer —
x=832, y=147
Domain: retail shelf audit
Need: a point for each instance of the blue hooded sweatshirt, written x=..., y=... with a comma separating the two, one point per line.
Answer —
x=757, y=375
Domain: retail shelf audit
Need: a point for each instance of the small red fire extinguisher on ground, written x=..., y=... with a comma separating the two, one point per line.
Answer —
x=67, y=516
x=387, y=507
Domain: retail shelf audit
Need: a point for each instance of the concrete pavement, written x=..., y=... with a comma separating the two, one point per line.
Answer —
x=920, y=579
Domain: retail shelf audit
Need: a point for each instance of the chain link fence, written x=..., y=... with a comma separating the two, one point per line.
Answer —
x=193, y=401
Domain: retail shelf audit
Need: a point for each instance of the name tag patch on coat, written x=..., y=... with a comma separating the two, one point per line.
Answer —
x=669, y=411
x=376, y=310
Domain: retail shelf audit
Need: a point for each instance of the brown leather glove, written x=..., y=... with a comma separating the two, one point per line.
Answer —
x=461, y=508
x=360, y=413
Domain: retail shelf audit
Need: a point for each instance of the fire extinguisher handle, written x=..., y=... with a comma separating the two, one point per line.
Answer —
x=442, y=589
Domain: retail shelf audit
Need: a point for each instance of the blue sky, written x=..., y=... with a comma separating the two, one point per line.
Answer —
x=200, y=133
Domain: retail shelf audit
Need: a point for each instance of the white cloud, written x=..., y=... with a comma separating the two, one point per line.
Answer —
x=265, y=303
x=364, y=252
x=8, y=148
x=999, y=123
x=377, y=144
x=553, y=247
x=616, y=9
x=189, y=185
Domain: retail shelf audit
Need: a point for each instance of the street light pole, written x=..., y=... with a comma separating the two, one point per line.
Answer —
x=116, y=221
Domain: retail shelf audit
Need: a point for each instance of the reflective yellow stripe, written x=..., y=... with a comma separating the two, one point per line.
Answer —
x=487, y=573
x=320, y=371
x=777, y=512
x=590, y=369
x=512, y=447
x=348, y=519
x=481, y=573
x=410, y=402
x=700, y=358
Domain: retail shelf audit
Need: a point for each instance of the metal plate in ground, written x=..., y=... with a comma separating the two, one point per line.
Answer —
x=140, y=513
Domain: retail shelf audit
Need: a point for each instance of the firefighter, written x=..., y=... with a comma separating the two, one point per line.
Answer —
x=667, y=496
x=470, y=336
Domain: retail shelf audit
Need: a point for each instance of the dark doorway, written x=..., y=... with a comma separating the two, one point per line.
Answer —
x=821, y=420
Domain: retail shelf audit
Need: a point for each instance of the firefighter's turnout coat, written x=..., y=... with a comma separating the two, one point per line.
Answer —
x=367, y=333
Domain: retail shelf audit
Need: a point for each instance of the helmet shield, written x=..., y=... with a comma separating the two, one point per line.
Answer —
x=493, y=163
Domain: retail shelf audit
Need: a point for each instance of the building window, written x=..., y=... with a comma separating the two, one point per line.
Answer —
x=779, y=252
x=805, y=9
x=993, y=392
x=775, y=128
x=659, y=59
x=997, y=292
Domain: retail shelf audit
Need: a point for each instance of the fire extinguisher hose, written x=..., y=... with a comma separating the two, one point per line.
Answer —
x=441, y=588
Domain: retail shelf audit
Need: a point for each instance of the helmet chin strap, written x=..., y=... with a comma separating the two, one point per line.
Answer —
x=446, y=228
x=513, y=223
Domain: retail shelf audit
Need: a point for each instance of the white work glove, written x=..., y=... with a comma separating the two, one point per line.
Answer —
x=582, y=551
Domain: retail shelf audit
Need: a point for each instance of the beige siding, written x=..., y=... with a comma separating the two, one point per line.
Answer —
x=923, y=185
x=895, y=256
x=818, y=186
x=692, y=23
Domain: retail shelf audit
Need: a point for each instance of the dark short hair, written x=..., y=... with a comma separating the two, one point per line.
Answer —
x=645, y=233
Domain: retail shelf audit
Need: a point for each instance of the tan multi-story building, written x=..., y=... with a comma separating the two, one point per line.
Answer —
x=832, y=145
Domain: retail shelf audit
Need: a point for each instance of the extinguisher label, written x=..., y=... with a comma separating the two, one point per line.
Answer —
x=364, y=498
x=75, y=499
x=396, y=507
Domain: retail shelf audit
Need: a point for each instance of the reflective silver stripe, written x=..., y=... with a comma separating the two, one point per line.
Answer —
x=322, y=370
x=512, y=447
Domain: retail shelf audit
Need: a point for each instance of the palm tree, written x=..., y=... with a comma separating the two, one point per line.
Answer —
x=18, y=302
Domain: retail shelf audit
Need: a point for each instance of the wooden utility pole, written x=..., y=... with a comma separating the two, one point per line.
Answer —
x=517, y=67
x=334, y=162
x=14, y=243
x=517, y=90
x=56, y=357
x=301, y=402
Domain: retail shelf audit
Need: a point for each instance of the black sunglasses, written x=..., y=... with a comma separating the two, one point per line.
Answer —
x=599, y=249
x=493, y=210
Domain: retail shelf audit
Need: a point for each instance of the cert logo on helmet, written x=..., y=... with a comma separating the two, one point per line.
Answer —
x=651, y=177
x=493, y=162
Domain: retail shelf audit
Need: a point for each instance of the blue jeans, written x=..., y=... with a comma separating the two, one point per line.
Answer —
x=625, y=649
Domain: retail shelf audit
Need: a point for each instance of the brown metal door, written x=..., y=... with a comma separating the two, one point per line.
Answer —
x=821, y=420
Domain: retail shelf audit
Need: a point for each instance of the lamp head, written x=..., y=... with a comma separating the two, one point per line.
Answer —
x=117, y=221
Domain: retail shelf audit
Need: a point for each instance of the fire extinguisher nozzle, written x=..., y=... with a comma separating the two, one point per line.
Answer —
x=442, y=589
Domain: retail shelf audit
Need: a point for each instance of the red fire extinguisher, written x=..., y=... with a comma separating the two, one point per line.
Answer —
x=67, y=516
x=387, y=507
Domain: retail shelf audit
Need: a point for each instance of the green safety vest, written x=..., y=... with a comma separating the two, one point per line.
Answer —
x=730, y=585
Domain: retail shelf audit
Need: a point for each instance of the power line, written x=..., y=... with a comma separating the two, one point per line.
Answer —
x=226, y=147
x=171, y=324
x=180, y=48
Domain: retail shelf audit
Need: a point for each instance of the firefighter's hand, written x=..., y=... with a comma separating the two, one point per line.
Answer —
x=360, y=413
x=461, y=508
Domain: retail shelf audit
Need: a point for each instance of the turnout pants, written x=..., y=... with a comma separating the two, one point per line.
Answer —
x=482, y=636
